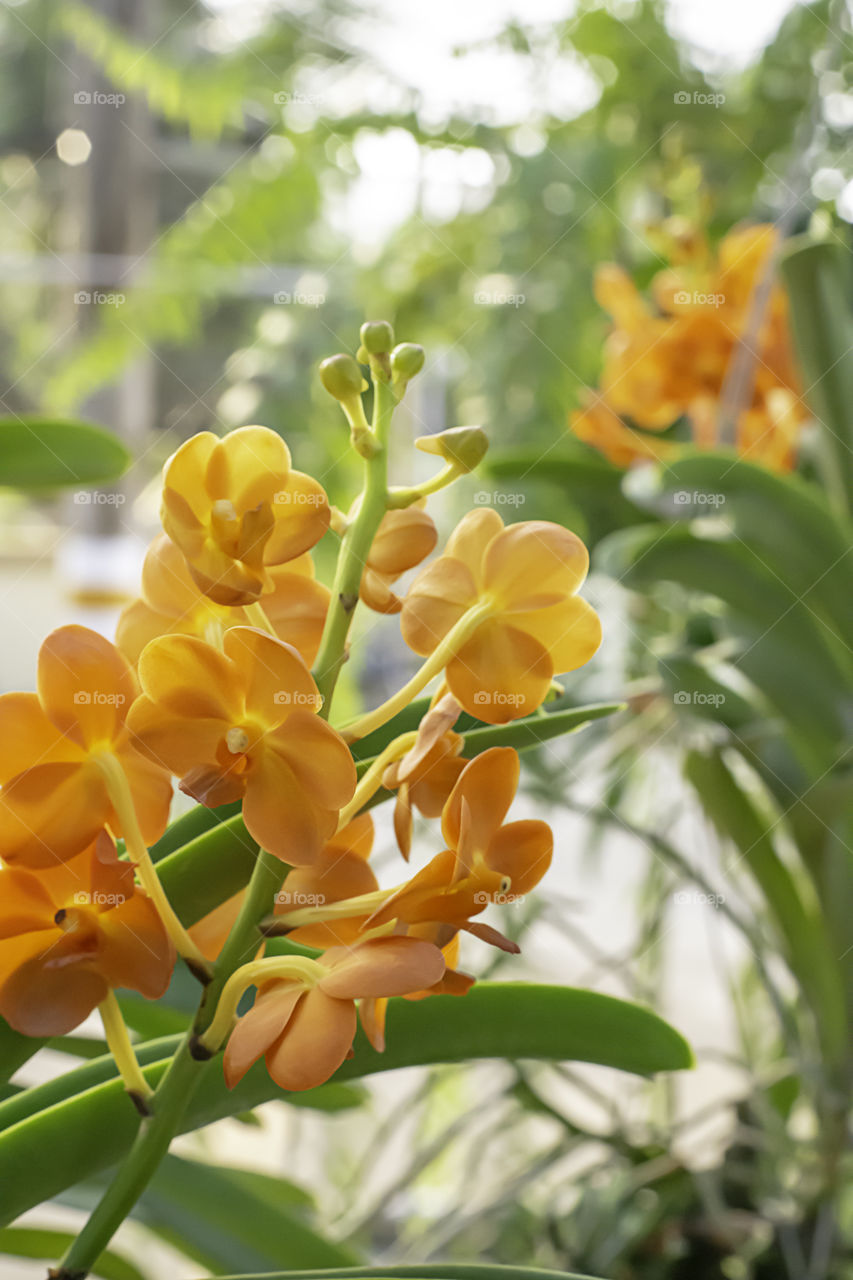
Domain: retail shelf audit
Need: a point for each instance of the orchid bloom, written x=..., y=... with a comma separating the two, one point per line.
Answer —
x=234, y=507
x=535, y=626
x=70, y=934
x=424, y=777
x=404, y=538
x=172, y=603
x=56, y=750
x=305, y=1027
x=243, y=722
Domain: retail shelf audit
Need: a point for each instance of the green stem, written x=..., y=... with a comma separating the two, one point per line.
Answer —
x=177, y=1085
x=354, y=550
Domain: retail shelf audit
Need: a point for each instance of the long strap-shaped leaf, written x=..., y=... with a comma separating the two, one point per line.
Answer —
x=92, y=1130
x=425, y=1271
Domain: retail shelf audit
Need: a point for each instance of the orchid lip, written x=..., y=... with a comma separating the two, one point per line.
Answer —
x=237, y=741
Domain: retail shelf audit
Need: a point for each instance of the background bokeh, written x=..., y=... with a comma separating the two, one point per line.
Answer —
x=200, y=202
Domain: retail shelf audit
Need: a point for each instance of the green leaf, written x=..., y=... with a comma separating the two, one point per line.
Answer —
x=95, y=1125
x=45, y=1244
x=225, y=1218
x=421, y=1271
x=783, y=521
x=46, y=453
x=819, y=282
x=798, y=921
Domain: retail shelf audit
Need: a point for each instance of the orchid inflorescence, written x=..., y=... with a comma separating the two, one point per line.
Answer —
x=223, y=676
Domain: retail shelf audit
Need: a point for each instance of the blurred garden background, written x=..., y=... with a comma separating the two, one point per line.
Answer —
x=198, y=203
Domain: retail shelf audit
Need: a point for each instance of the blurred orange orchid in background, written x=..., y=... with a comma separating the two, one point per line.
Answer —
x=172, y=603
x=305, y=1027
x=404, y=538
x=244, y=723
x=234, y=507
x=534, y=627
x=71, y=933
x=675, y=358
x=55, y=746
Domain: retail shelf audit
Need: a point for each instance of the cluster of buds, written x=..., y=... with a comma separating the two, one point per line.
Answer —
x=223, y=677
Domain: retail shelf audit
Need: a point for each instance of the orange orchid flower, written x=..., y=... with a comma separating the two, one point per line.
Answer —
x=70, y=934
x=171, y=603
x=404, y=538
x=341, y=870
x=305, y=1028
x=56, y=748
x=424, y=777
x=373, y=1009
x=535, y=626
x=673, y=360
x=234, y=507
x=598, y=425
x=244, y=723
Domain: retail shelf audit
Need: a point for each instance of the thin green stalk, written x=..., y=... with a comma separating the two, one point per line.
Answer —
x=354, y=549
x=177, y=1085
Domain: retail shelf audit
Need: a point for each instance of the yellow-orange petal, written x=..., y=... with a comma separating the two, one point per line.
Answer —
x=259, y=1028
x=471, y=537
x=172, y=740
x=247, y=466
x=570, y=631
x=487, y=786
x=28, y=738
x=275, y=680
x=25, y=904
x=85, y=685
x=151, y=787
x=301, y=513
x=371, y=1015
x=522, y=850
x=436, y=600
x=297, y=608
x=51, y=813
x=318, y=756
x=135, y=949
x=51, y=987
x=191, y=678
x=404, y=538
x=533, y=564
x=280, y=815
x=184, y=475
x=317, y=1040
x=388, y=966
x=501, y=673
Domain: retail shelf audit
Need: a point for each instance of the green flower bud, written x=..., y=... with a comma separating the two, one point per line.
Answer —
x=465, y=447
x=377, y=337
x=341, y=377
x=407, y=359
